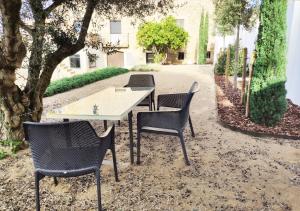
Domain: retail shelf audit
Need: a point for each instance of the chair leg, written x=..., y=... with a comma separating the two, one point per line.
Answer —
x=105, y=125
x=97, y=174
x=55, y=181
x=187, y=162
x=138, y=147
x=113, y=151
x=37, y=190
x=153, y=105
x=191, y=126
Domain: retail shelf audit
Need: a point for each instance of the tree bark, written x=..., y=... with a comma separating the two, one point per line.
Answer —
x=236, y=58
x=13, y=51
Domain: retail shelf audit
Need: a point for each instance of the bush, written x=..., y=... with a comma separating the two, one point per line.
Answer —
x=267, y=101
x=77, y=81
x=268, y=95
x=221, y=64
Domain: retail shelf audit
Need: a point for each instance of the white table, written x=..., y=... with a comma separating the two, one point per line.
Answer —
x=109, y=104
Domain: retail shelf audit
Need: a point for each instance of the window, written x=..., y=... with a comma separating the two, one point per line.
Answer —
x=149, y=58
x=180, y=22
x=92, y=60
x=75, y=61
x=208, y=55
x=180, y=55
x=115, y=27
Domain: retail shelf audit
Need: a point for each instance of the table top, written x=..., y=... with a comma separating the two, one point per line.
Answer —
x=112, y=103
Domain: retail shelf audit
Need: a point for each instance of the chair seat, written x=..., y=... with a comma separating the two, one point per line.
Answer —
x=69, y=173
x=83, y=161
x=159, y=130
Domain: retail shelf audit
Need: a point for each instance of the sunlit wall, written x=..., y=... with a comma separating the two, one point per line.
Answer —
x=293, y=66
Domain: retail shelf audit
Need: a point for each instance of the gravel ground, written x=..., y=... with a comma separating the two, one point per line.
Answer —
x=229, y=170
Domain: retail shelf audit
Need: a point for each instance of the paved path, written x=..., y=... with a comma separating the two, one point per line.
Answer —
x=229, y=170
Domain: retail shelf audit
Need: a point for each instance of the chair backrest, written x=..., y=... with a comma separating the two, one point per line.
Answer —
x=185, y=109
x=141, y=80
x=63, y=145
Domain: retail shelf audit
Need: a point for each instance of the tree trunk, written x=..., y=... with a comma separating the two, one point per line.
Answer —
x=236, y=58
x=17, y=107
x=244, y=74
x=13, y=51
x=12, y=107
x=251, y=71
x=227, y=64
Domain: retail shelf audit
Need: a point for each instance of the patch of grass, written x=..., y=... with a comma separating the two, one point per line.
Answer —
x=77, y=81
x=3, y=154
x=13, y=145
x=145, y=68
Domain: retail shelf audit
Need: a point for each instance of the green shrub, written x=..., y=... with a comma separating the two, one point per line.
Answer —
x=268, y=95
x=77, y=81
x=221, y=63
x=267, y=101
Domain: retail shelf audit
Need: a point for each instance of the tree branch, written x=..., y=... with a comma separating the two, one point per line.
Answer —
x=54, y=5
x=53, y=59
x=26, y=27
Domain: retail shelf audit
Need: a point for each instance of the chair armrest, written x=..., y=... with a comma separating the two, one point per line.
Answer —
x=108, y=137
x=159, y=119
x=171, y=100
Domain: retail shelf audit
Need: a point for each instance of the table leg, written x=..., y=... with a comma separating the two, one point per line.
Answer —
x=150, y=102
x=130, y=137
x=105, y=124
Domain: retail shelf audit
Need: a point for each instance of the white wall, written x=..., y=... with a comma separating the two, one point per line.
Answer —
x=293, y=66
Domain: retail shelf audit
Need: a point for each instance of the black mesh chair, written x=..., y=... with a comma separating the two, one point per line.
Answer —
x=174, y=101
x=143, y=80
x=68, y=149
x=166, y=122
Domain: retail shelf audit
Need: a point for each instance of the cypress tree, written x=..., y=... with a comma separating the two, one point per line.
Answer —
x=201, y=59
x=205, y=36
x=268, y=95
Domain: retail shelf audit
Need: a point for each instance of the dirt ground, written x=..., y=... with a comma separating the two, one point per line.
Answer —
x=229, y=170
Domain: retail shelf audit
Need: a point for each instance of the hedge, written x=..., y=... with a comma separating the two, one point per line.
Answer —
x=268, y=94
x=77, y=81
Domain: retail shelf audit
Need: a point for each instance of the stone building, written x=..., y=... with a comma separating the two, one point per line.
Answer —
x=122, y=32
